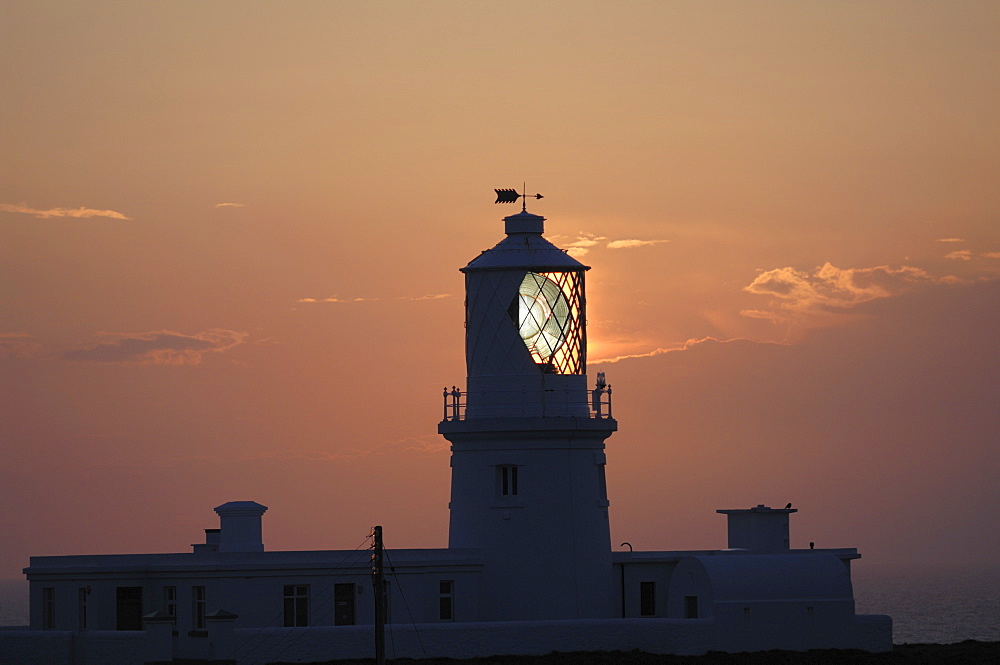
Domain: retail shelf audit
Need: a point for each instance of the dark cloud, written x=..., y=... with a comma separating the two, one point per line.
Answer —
x=157, y=348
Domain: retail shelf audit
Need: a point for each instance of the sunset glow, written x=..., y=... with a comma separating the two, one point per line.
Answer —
x=231, y=235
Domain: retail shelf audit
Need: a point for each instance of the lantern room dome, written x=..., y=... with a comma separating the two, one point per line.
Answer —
x=524, y=248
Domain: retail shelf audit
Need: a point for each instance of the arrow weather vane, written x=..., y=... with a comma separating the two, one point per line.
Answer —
x=511, y=195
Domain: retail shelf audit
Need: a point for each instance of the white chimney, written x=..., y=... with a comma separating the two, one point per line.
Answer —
x=240, y=526
x=759, y=528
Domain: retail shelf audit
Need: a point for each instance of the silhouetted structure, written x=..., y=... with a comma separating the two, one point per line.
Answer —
x=528, y=567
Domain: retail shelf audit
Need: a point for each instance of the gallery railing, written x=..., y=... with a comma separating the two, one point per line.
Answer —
x=597, y=403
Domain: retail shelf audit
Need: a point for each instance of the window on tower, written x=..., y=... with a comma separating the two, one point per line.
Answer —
x=507, y=480
x=602, y=484
x=548, y=313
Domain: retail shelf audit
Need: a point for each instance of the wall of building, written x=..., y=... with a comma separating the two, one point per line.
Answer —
x=26, y=647
x=633, y=574
x=454, y=640
x=479, y=639
x=256, y=595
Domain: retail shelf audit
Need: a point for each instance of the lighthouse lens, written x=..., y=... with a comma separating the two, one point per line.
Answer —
x=543, y=312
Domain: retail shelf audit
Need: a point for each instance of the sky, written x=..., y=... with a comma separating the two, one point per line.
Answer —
x=230, y=235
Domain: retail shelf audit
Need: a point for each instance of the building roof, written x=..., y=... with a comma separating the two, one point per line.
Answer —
x=762, y=577
x=240, y=563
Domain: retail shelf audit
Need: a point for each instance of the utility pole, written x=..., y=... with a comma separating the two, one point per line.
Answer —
x=378, y=581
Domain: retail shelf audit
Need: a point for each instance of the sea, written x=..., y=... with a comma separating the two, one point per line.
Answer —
x=930, y=604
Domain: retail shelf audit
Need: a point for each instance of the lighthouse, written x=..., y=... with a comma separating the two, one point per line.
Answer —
x=529, y=537
x=527, y=435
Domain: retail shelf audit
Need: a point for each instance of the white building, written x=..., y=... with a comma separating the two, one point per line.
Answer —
x=528, y=568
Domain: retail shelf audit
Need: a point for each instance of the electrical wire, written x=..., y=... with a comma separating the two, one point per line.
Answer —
x=287, y=642
x=402, y=595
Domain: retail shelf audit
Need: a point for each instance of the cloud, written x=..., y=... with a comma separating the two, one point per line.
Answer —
x=61, y=212
x=18, y=345
x=691, y=343
x=338, y=299
x=991, y=255
x=950, y=240
x=901, y=401
x=627, y=244
x=158, y=348
x=580, y=246
x=430, y=296
x=230, y=205
x=828, y=289
x=583, y=243
x=960, y=255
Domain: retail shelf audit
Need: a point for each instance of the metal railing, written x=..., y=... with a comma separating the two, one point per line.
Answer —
x=598, y=406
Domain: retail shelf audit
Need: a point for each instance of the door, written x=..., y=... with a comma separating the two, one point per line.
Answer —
x=129, y=605
x=343, y=604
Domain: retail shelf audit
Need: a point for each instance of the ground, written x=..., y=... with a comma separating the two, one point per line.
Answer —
x=963, y=653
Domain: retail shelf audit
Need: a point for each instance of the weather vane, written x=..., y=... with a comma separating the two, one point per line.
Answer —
x=511, y=195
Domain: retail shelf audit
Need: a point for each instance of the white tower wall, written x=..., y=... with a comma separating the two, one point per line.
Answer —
x=546, y=543
x=528, y=485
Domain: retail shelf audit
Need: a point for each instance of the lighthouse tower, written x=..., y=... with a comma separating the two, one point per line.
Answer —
x=528, y=487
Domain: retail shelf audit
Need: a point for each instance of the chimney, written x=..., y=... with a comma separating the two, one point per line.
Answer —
x=759, y=528
x=240, y=526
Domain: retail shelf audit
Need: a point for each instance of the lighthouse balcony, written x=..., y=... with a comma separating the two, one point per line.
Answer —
x=460, y=405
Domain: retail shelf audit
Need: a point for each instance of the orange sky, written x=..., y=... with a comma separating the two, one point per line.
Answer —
x=230, y=235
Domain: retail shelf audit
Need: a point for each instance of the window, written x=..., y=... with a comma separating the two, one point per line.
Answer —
x=170, y=601
x=548, y=313
x=446, y=589
x=647, y=599
x=296, y=605
x=507, y=476
x=82, y=594
x=344, y=604
x=602, y=484
x=128, y=601
x=48, y=608
x=198, y=601
x=691, y=607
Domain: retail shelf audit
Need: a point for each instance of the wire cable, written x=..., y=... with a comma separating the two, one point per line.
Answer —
x=287, y=642
x=392, y=569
